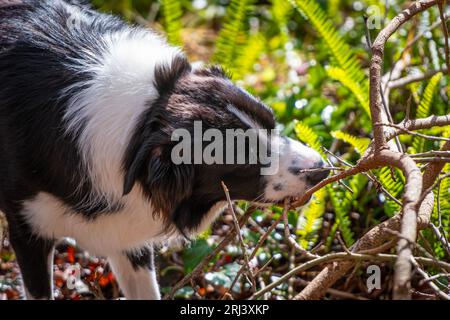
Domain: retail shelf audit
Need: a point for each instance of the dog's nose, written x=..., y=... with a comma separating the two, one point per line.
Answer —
x=315, y=177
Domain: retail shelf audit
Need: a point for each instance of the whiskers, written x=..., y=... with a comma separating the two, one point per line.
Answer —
x=260, y=202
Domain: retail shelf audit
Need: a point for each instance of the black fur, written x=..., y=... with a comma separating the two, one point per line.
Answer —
x=142, y=259
x=37, y=66
x=32, y=253
x=39, y=60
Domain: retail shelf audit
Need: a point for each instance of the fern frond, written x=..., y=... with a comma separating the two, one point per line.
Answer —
x=340, y=50
x=172, y=13
x=444, y=201
x=355, y=87
x=442, y=208
x=230, y=41
x=307, y=135
x=250, y=55
x=424, y=109
x=393, y=186
x=333, y=8
x=280, y=11
x=310, y=220
x=360, y=144
x=341, y=200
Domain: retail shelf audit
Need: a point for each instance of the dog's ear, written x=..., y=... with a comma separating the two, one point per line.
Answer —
x=164, y=182
x=168, y=183
x=166, y=75
x=134, y=163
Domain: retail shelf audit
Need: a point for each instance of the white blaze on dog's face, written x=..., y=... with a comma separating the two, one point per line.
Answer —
x=290, y=177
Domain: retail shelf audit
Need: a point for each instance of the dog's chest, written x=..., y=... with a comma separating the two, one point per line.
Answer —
x=132, y=227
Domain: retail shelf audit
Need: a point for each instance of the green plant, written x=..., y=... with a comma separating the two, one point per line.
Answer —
x=348, y=72
x=233, y=34
x=172, y=13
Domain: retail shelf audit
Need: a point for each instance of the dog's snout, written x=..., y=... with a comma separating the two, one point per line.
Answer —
x=319, y=174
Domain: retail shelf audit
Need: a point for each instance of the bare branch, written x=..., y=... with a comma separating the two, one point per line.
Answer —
x=441, y=6
x=342, y=256
x=377, y=62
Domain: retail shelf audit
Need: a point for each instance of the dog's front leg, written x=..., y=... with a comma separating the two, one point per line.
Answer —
x=35, y=257
x=136, y=275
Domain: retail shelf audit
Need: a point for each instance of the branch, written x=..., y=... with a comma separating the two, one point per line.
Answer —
x=399, y=83
x=378, y=238
x=343, y=256
x=377, y=62
x=418, y=124
x=441, y=5
x=199, y=268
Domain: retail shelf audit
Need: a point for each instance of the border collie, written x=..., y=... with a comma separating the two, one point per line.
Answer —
x=87, y=107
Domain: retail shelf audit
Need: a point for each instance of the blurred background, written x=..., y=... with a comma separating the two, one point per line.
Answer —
x=308, y=61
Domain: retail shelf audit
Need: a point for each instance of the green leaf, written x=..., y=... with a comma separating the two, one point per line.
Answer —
x=307, y=135
x=172, y=13
x=394, y=186
x=310, y=220
x=232, y=35
x=424, y=110
x=251, y=53
x=355, y=87
x=360, y=144
x=350, y=71
x=195, y=253
x=280, y=12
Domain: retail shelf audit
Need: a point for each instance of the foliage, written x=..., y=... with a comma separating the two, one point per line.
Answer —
x=349, y=71
x=232, y=35
x=360, y=144
x=424, y=110
x=172, y=20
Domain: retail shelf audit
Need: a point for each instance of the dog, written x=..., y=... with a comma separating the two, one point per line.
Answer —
x=88, y=105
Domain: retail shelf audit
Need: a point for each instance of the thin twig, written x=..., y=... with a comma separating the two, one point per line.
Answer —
x=291, y=241
x=431, y=153
x=199, y=268
x=239, y=234
x=342, y=256
x=403, y=129
x=441, y=6
x=430, y=282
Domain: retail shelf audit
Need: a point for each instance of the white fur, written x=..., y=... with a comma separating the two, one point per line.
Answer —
x=103, y=116
x=292, y=185
x=131, y=228
x=244, y=117
x=140, y=284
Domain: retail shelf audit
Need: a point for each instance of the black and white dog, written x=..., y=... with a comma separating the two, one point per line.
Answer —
x=87, y=108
